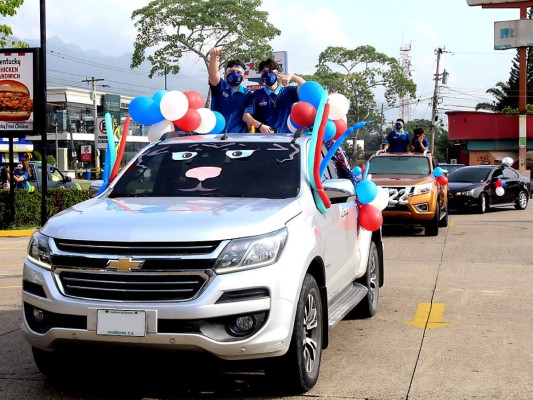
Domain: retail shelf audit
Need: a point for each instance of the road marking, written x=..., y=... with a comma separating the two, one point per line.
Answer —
x=434, y=311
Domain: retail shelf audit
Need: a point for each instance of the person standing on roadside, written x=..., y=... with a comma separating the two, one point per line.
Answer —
x=228, y=96
x=20, y=176
x=270, y=106
x=398, y=140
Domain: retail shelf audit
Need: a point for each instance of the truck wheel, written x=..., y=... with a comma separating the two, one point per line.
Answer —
x=432, y=227
x=370, y=304
x=297, y=371
x=444, y=220
x=49, y=362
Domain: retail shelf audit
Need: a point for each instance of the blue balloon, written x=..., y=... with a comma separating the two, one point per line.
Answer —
x=157, y=96
x=504, y=184
x=438, y=172
x=357, y=170
x=366, y=191
x=145, y=111
x=311, y=92
x=219, y=125
x=331, y=129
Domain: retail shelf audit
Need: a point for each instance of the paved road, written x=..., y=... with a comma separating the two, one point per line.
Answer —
x=455, y=322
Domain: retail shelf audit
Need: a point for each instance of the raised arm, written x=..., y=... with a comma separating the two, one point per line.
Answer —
x=213, y=68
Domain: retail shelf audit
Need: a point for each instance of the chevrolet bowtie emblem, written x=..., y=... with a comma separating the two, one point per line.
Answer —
x=125, y=264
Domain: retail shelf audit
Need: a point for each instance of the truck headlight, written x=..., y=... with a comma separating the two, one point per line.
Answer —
x=39, y=250
x=251, y=252
x=422, y=189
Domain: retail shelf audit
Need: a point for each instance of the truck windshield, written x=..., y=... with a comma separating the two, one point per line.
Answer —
x=217, y=169
x=399, y=165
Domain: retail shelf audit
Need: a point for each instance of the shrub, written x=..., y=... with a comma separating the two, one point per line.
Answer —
x=27, y=206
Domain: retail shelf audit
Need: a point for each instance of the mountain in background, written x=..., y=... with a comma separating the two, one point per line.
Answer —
x=67, y=65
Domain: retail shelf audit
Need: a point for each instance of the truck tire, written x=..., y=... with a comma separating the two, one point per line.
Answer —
x=432, y=227
x=370, y=304
x=297, y=371
x=49, y=363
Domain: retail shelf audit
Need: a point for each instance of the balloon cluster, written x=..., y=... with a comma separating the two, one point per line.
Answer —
x=327, y=114
x=303, y=114
x=500, y=184
x=168, y=110
x=441, y=179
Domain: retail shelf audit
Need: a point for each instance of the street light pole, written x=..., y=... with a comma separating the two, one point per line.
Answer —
x=435, y=100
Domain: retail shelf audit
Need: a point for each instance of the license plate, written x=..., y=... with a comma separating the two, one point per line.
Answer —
x=121, y=323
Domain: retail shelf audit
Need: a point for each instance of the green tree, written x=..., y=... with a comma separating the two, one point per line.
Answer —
x=9, y=8
x=358, y=73
x=171, y=29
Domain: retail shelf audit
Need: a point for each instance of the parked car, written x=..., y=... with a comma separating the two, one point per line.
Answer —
x=449, y=168
x=211, y=243
x=415, y=196
x=474, y=187
x=56, y=179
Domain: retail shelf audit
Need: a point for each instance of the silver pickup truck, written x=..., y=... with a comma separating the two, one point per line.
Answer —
x=210, y=243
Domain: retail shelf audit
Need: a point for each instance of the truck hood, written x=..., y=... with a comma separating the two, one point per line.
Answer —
x=170, y=219
x=401, y=180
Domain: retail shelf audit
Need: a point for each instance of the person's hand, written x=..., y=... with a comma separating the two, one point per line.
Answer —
x=265, y=129
x=215, y=51
x=285, y=79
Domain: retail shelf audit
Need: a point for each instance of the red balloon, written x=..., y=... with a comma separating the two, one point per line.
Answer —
x=498, y=183
x=442, y=180
x=303, y=113
x=190, y=121
x=195, y=99
x=370, y=217
x=341, y=128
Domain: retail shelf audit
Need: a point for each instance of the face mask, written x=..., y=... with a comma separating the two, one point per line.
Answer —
x=398, y=126
x=234, y=79
x=269, y=78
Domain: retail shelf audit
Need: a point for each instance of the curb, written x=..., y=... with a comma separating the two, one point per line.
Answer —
x=17, y=233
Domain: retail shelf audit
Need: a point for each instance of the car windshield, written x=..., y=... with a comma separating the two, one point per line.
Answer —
x=470, y=175
x=404, y=165
x=223, y=169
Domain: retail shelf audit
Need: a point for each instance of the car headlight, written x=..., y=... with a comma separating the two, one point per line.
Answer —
x=468, y=193
x=422, y=189
x=39, y=250
x=251, y=252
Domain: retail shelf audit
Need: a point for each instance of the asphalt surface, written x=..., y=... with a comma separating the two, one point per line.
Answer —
x=455, y=322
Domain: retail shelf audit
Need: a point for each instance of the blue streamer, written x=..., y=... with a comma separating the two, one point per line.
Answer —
x=338, y=144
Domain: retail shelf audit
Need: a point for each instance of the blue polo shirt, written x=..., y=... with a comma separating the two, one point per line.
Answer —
x=398, y=142
x=231, y=105
x=272, y=108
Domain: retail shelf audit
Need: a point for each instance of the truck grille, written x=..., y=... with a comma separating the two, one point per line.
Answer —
x=132, y=286
x=139, y=249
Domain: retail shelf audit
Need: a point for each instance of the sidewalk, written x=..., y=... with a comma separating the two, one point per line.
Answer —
x=17, y=232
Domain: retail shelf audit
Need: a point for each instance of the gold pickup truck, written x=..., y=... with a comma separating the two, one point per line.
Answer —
x=415, y=196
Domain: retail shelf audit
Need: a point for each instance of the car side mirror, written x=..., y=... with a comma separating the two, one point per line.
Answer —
x=68, y=179
x=339, y=190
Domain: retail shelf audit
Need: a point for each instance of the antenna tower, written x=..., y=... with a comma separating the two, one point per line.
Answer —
x=405, y=62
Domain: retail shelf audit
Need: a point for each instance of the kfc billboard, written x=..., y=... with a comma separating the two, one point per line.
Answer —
x=18, y=86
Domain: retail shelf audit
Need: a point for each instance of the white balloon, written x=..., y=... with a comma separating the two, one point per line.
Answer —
x=500, y=191
x=209, y=120
x=290, y=125
x=174, y=105
x=338, y=106
x=382, y=199
x=156, y=130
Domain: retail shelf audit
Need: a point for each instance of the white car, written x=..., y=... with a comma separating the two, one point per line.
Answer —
x=207, y=243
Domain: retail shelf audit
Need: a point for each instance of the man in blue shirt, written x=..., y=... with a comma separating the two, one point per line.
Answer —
x=398, y=140
x=229, y=97
x=419, y=143
x=270, y=107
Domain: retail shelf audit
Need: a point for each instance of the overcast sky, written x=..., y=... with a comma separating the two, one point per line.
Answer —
x=309, y=26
